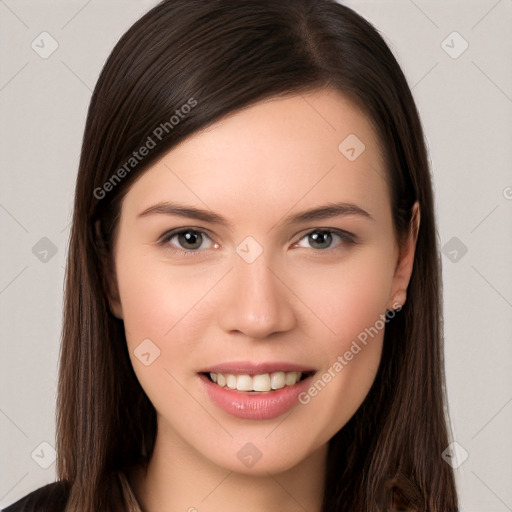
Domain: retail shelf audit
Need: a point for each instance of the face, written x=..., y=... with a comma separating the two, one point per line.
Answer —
x=224, y=282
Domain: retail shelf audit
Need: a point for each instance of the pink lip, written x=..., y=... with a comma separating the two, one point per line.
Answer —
x=255, y=405
x=251, y=368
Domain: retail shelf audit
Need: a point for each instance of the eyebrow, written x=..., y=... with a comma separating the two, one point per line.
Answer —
x=326, y=211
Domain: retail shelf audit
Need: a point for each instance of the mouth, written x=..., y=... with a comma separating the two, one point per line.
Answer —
x=255, y=391
x=257, y=383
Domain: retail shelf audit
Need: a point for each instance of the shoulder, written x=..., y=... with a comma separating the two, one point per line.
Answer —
x=50, y=498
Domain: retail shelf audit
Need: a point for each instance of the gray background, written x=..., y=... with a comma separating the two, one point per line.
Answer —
x=465, y=101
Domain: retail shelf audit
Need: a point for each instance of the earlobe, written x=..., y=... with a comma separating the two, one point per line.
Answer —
x=404, y=266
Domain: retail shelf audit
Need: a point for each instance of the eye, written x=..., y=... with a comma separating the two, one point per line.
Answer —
x=189, y=241
x=322, y=239
x=186, y=241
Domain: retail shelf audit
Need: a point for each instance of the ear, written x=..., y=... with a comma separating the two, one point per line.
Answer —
x=404, y=265
x=108, y=272
x=112, y=290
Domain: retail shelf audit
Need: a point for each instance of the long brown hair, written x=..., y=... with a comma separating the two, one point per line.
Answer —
x=218, y=56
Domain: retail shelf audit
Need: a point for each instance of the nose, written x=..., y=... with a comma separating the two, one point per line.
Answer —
x=257, y=302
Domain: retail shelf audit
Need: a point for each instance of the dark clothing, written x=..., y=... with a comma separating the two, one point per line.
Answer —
x=50, y=498
x=54, y=497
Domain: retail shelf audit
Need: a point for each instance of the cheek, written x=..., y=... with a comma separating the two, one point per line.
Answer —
x=169, y=306
x=351, y=310
x=346, y=298
x=163, y=314
x=349, y=324
x=157, y=299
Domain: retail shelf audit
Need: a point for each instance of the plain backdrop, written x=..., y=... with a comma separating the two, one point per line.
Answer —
x=457, y=59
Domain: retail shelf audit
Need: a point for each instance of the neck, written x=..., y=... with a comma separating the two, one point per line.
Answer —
x=180, y=478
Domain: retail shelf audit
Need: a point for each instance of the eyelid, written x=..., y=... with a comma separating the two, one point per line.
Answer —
x=341, y=232
x=176, y=231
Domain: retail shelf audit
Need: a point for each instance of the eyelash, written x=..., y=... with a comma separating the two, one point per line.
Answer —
x=345, y=236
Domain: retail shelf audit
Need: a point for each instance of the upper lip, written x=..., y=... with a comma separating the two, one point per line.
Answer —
x=252, y=368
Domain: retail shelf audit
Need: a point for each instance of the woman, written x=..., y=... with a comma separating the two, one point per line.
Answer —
x=252, y=306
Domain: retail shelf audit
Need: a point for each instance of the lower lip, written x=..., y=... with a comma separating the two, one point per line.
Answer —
x=255, y=405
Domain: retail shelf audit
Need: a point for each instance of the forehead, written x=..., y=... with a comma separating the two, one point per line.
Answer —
x=273, y=156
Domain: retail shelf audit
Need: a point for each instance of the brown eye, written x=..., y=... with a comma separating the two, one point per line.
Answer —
x=187, y=241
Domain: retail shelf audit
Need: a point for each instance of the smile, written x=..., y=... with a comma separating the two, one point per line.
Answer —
x=263, y=382
x=255, y=391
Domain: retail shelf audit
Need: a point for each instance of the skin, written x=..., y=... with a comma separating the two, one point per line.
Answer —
x=297, y=301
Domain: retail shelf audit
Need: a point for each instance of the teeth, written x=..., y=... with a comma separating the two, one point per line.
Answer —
x=290, y=379
x=243, y=382
x=277, y=380
x=261, y=382
x=231, y=381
